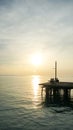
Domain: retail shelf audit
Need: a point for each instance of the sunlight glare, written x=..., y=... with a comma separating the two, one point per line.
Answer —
x=35, y=83
x=37, y=59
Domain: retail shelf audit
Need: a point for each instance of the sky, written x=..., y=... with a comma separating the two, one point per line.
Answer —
x=36, y=26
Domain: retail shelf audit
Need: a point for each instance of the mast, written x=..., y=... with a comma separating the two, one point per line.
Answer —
x=55, y=70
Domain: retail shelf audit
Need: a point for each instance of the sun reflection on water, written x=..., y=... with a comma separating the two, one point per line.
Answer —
x=35, y=84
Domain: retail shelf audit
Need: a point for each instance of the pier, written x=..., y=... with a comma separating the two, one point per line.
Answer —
x=56, y=90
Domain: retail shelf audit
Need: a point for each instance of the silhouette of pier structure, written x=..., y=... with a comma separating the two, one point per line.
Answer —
x=54, y=89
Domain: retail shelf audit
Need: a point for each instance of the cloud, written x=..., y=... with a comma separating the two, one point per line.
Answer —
x=27, y=26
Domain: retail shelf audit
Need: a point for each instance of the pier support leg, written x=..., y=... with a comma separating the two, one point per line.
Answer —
x=42, y=91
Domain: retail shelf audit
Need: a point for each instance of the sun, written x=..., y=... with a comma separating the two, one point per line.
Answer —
x=36, y=59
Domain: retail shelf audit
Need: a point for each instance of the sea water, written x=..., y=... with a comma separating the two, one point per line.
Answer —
x=23, y=108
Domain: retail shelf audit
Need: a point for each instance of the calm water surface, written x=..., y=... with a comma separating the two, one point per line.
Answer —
x=23, y=108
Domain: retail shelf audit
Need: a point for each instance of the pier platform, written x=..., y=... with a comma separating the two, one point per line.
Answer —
x=57, y=94
x=56, y=91
x=57, y=88
x=58, y=85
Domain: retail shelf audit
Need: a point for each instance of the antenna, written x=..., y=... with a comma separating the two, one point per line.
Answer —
x=55, y=70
